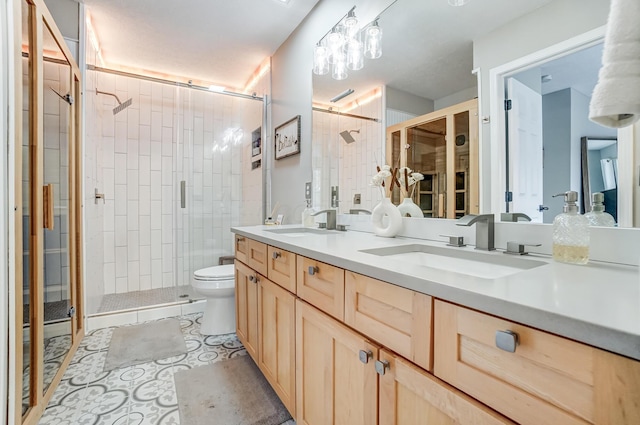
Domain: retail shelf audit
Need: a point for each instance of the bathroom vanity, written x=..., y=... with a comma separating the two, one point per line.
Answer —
x=350, y=328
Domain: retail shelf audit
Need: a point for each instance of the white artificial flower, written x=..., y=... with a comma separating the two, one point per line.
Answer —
x=417, y=176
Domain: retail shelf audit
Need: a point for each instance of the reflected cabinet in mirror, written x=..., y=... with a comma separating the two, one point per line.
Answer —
x=443, y=147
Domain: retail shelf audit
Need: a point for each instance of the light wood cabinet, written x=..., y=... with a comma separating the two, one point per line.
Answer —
x=397, y=318
x=546, y=380
x=247, y=308
x=322, y=285
x=276, y=340
x=242, y=249
x=282, y=268
x=333, y=385
x=409, y=396
x=257, y=257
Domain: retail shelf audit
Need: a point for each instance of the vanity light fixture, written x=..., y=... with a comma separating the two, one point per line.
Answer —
x=343, y=49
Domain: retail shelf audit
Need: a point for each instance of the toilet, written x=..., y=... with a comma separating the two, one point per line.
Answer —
x=217, y=285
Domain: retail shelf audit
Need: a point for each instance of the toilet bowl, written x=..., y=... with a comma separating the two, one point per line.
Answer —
x=217, y=285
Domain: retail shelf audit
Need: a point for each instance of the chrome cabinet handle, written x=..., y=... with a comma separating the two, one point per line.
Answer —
x=365, y=356
x=313, y=270
x=252, y=278
x=382, y=366
x=507, y=341
x=276, y=254
x=240, y=239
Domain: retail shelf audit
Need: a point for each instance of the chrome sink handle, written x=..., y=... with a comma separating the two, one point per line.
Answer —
x=517, y=248
x=457, y=241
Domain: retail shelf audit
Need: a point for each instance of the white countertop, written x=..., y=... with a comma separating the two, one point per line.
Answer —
x=597, y=303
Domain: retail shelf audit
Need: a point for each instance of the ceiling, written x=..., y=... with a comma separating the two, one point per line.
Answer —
x=427, y=44
x=578, y=70
x=222, y=42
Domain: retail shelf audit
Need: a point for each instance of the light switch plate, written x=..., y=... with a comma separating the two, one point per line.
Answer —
x=307, y=190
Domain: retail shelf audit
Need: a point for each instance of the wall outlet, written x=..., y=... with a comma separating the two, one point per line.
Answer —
x=307, y=190
x=356, y=199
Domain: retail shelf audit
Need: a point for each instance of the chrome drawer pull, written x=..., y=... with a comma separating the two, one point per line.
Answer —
x=507, y=341
x=240, y=239
x=252, y=278
x=276, y=254
x=313, y=270
x=365, y=356
x=382, y=366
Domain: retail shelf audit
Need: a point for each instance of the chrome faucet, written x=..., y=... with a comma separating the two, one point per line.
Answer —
x=513, y=217
x=484, y=229
x=331, y=218
x=359, y=210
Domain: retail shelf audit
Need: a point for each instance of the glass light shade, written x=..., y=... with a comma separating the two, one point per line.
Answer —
x=320, y=60
x=335, y=43
x=351, y=26
x=373, y=42
x=339, y=71
x=355, y=56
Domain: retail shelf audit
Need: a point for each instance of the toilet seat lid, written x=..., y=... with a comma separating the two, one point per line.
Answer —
x=215, y=273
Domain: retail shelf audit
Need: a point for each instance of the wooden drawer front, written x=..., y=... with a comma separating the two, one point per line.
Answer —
x=324, y=288
x=247, y=308
x=397, y=318
x=548, y=380
x=276, y=324
x=282, y=268
x=333, y=386
x=242, y=249
x=408, y=395
x=257, y=256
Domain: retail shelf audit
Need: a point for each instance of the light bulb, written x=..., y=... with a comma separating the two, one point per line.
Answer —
x=355, y=57
x=320, y=60
x=339, y=71
x=372, y=41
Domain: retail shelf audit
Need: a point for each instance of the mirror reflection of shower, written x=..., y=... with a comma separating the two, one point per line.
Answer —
x=121, y=105
x=346, y=135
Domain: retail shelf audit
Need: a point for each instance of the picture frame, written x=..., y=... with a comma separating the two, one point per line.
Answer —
x=287, y=138
x=256, y=142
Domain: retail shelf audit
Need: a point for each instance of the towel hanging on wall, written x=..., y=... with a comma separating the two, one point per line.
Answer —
x=616, y=98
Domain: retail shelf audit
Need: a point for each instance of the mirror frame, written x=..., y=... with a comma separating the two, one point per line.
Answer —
x=497, y=77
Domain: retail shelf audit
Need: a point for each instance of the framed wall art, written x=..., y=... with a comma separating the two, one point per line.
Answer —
x=287, y=138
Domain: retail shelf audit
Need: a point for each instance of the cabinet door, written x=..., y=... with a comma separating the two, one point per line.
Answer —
x=247, y=308
x=397, y=318
x=242, y=249
x=276, y=349
x=322, y=285
x=282, y=268
x=333, y=385
x=257, y=256
x=545, y=380
x=409, y=396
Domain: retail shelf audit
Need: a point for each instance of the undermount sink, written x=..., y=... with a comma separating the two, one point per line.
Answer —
x=471, y=263
x=297, y=232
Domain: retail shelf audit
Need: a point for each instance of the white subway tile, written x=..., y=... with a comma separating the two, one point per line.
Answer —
x=167, y=141
x=156, y=215
x=156, y=244
x=145, y=282
x=145, y=170
x=167, y=228
x=145, y=230
x=132, y=215
x=121, y=168
x=133, y=276
x=145, y=140
x=156, y=273
x=109, y=247
x=121, y=285
x=132, y=184
x=167, y=200
x=144, y=200
x=109, y=277
x=121, y=262
x=167, y=257
x=133, y=243
x=133, y=123
x=120, y=201
x=156, y=156
x=120, y=143
x=121, y=231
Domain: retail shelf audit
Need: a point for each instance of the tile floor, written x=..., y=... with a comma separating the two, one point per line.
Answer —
x=136, y=395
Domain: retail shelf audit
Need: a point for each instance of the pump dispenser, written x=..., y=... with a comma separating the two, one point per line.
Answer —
x=307, y=217
x=597, y=216
x=570, y=232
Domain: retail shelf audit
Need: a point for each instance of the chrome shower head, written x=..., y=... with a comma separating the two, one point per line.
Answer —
x=346, y=135
x=121, y=105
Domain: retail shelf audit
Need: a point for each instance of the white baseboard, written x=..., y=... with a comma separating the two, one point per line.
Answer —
x=143, y=315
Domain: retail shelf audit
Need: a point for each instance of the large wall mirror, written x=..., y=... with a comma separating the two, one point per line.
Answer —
x=426, y=65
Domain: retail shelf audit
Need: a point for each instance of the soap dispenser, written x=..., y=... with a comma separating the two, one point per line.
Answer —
x=307, y=217
x=597, y=216
x=570, y=232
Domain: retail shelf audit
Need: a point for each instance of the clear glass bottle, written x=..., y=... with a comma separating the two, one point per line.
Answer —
x=307, y=219
x=597, y=216
x=571, y=233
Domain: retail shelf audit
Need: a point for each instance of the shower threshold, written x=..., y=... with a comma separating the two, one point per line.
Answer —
x=151, y=298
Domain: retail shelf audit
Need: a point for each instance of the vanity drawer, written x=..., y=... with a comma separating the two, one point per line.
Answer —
x=242, y=248
x=321, y=285
x=282, y=268
x=397, y=318
x=257, y=256
x=547, y=380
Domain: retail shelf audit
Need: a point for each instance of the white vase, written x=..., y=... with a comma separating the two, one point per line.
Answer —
x=410, y=209
x=386, y=219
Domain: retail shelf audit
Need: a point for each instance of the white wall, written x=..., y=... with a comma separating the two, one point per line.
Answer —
x=455, y=98
x=407, y=102
x=544, y=27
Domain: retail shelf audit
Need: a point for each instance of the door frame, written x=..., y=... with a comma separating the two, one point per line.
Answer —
x=497, y=87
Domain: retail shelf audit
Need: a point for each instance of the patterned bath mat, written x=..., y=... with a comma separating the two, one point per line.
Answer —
x=132, y=345
x=229, y=392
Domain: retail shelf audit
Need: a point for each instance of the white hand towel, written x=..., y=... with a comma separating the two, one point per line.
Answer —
x=616, y=98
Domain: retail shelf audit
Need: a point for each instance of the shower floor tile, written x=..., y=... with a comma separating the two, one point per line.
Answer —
x=150, y=297
x=141, y=394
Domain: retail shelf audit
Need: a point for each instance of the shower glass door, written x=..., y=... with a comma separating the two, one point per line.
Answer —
x=56, y=298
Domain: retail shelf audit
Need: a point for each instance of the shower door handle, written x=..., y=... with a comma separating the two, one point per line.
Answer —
x=183, y=197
